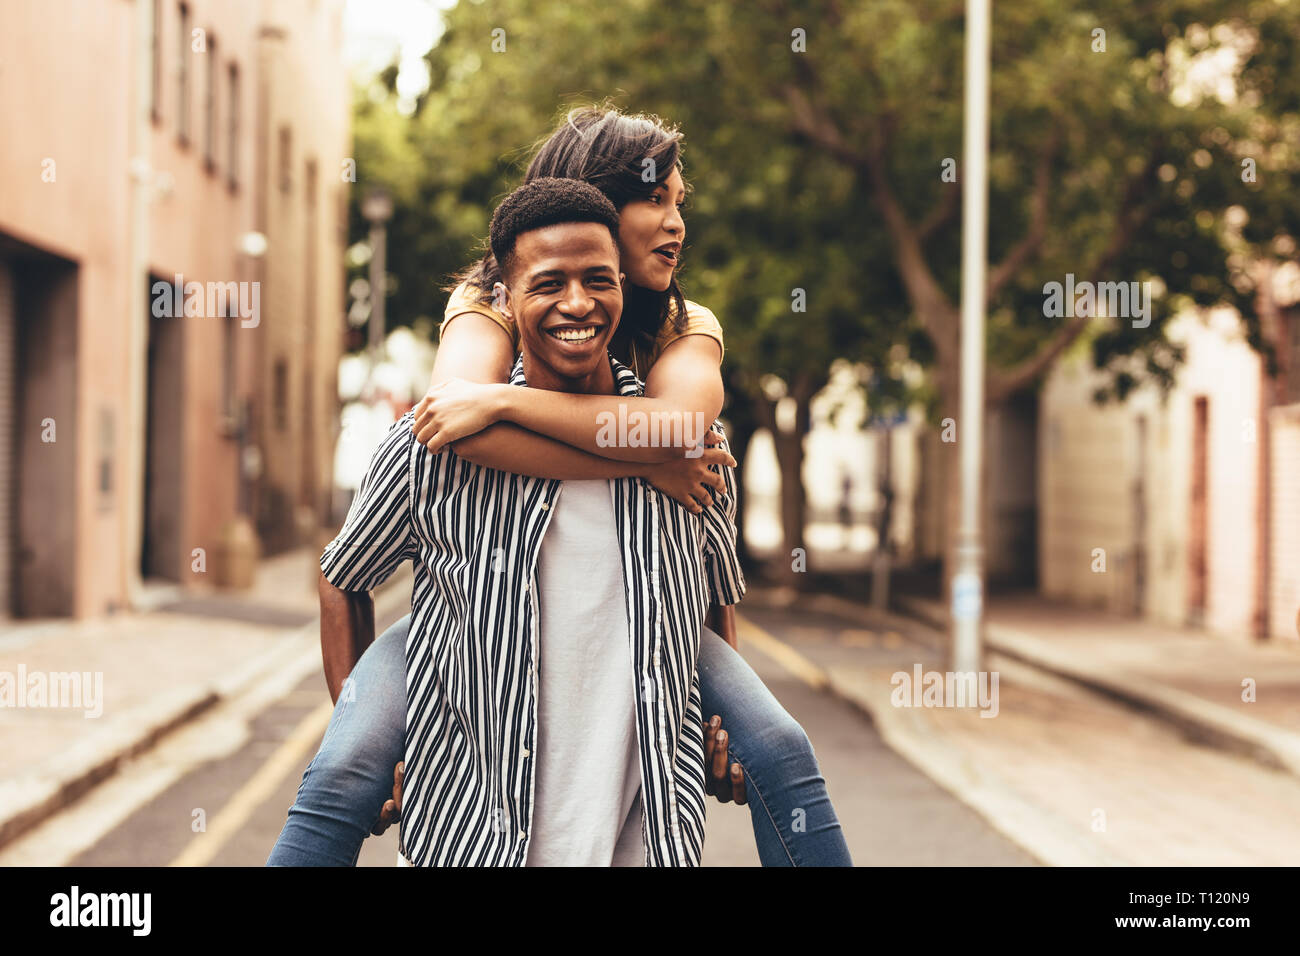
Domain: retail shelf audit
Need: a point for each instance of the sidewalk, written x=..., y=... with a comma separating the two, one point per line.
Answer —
x=140, y=677
x=1074, y=776
x=1192, y=679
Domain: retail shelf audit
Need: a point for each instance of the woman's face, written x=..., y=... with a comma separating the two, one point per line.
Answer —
x=650, y=235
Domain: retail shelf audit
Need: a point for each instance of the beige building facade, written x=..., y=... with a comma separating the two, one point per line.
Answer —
x=171, y=237
x=1181, y=508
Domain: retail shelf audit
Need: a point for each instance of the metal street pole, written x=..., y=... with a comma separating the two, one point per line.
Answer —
x=967, y=583
x=377, y=208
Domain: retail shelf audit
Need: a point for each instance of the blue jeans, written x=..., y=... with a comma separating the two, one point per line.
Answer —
x=351, y=776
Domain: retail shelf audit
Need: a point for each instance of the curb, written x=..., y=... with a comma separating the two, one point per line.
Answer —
x=1203, y=721
x=1036, y=831
x=28, y=801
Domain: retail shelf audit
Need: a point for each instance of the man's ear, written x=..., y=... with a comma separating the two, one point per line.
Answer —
x=501, y=299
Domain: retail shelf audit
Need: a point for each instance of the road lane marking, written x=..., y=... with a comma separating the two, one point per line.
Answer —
x=781, y=652
x=259, y=788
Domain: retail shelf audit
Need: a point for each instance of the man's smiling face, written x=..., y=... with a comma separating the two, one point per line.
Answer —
x=565, y=296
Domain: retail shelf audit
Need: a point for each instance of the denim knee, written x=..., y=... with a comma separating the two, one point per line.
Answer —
x=360, y=754
x=780, y=745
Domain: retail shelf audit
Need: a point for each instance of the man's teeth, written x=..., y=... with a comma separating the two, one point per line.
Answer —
x=573, y=335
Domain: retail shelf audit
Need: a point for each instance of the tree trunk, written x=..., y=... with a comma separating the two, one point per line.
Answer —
x=742, y=432
x=884, y=519
x=743, y=421
x=792, y=562
x=789, y=451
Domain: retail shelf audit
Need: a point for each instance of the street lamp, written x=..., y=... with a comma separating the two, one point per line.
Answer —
x=377, y=209
x=252, y=244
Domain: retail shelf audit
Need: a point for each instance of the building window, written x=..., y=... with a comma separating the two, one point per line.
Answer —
x=286, y=159
x=232, y=130
x=210, y=107
x=155, y=80
x=183, y=78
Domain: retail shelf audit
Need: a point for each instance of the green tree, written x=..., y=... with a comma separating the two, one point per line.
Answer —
x=1106, y=162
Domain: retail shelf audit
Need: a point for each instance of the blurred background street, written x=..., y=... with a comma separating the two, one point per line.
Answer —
x=226, y=235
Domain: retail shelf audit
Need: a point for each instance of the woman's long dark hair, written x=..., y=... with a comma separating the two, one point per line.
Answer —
x=608, y=149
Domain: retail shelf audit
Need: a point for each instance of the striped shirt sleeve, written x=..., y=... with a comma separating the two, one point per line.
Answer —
x=721, y=563
x=376, y=536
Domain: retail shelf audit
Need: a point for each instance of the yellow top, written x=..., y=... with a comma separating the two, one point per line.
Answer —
x=699, y=321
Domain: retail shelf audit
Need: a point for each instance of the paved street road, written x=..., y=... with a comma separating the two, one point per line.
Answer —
x=891, y=813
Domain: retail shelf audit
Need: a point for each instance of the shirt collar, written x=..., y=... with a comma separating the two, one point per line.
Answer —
x=625, y=379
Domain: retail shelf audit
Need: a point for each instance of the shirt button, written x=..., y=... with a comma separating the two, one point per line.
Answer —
x=525, y=752
x=522, y=834
x=545, y=505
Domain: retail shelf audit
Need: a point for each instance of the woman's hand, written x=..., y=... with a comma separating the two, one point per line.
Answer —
x=455, y=409
x=688, y=480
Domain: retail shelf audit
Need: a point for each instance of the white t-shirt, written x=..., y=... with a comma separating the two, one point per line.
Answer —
x=587, y=797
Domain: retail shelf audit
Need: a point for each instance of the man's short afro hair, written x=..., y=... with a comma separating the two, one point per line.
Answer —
x=547, y=202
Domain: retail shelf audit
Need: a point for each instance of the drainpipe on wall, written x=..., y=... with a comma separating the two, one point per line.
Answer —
x=141, y=185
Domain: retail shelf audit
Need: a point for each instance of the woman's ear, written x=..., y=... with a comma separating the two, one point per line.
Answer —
x=501, y=299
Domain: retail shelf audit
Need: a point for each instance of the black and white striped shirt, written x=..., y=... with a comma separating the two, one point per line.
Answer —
x=474, y=535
